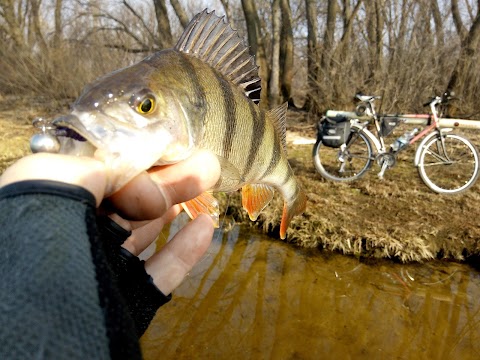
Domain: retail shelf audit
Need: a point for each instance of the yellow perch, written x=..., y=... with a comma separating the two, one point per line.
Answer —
x=195, y=95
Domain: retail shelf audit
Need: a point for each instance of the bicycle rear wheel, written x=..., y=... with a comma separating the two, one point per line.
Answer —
x=449, y=167
x=347, y=163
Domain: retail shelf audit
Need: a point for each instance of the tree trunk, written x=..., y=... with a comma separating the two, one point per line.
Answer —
x=57, y=35
x=312, y=57
x=468, y=49
x=182, y=16
x=329, y=35
x=349, y=17
x=286, y=53
x=228, y=11
x=35, y=14
x=457, y=19
x=164, y=39
x=274, y=88
x=437, y=20
x=255, y=40
x=13, y=26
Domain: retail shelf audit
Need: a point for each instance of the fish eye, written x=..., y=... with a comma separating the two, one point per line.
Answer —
x=145, y=105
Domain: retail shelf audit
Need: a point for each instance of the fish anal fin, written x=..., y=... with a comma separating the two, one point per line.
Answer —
x=255, y=197
x=278, y=115
x=205, y=203
x=296, y=207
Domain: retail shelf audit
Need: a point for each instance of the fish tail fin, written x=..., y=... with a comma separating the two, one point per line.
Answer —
x=291, y=209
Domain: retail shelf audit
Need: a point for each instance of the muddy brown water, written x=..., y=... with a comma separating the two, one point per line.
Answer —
x=253, y=297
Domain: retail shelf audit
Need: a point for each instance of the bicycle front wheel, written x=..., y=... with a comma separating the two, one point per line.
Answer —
x=347, y=163
x=449, y=166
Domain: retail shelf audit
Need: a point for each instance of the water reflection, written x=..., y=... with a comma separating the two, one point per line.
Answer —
x=256, y=298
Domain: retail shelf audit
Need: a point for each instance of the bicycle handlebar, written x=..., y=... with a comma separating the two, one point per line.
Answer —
x=444, y=99
x=367, y=98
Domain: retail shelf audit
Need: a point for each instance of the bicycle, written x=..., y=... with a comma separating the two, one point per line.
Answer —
x=447, y=163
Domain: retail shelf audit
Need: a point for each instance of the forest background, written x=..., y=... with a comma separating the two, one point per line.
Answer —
x=316, y=54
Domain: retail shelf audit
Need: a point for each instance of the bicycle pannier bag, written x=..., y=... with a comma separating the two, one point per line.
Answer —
x=388, y=124
x=335, y=131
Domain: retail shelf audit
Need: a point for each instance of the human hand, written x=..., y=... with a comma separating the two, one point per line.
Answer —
x=149, y=196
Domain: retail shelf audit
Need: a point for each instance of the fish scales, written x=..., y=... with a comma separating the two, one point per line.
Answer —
x=193, y=96
x=230, y=113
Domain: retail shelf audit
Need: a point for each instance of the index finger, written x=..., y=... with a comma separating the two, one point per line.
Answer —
x=151, y=194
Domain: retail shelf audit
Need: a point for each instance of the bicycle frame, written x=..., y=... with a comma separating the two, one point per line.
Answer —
x=378, y=140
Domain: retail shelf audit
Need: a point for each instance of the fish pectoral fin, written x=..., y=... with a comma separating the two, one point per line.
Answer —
x=203, y=204
x=255, y=197
x=230, y=176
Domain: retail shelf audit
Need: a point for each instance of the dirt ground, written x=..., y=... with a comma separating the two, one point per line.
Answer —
x=398, y=217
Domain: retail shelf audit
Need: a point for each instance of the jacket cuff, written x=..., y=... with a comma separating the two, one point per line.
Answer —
x=48, y=187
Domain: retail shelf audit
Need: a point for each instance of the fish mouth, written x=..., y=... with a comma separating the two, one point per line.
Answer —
x=74, y=138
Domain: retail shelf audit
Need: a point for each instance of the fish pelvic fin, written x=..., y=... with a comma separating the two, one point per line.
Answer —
x=205, y=203
x=255, y=197
x=208, y=38
x=278, y=115
x=291, y=209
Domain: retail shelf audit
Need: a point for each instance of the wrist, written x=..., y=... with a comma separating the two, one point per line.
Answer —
x=78, y=171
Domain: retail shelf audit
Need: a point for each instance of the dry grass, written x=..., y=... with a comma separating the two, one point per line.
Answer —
x=398, y=217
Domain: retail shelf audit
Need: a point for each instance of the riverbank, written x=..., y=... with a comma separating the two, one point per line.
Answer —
x=398, y=217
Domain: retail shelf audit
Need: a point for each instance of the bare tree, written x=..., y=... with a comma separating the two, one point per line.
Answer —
x=437, y=19
x=57, y=34
x=228, y=10
x=165, y=39
x=469, y=48
x=14, y=15
x=274, y=89
x=182, y=16
x=255, y=39
x=457, y=19
x=312, y=55
x=286, y=52
x=328, y=38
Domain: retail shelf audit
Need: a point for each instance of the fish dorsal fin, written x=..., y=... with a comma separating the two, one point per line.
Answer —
x=210, y=39
x=278, y=116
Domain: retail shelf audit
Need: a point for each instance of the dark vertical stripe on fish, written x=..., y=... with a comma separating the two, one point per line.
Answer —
x=258, y=132
x=275, y=158
x=230, y=115
x=200, y=96
x=286, y=179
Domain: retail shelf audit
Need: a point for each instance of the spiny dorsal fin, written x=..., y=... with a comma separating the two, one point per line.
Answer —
x=278, y=116
x=210, y=39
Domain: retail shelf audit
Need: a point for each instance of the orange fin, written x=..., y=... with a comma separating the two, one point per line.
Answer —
x=255, y=197
x=290, y=210
x=203, y=204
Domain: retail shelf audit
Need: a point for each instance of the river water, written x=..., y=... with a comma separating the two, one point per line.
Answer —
x=254, y=297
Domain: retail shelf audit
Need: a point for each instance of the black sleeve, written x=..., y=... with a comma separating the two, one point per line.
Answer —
x=142, y=296
x=57, y=296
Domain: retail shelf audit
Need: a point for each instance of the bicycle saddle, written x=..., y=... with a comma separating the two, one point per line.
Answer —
x=366, y=98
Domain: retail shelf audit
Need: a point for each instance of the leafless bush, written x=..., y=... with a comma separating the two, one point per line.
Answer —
x=57, y=73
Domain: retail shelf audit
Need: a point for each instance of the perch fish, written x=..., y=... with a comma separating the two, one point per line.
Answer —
x=193, y=96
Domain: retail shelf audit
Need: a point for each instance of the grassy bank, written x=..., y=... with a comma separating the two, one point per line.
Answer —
x=398, y=217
